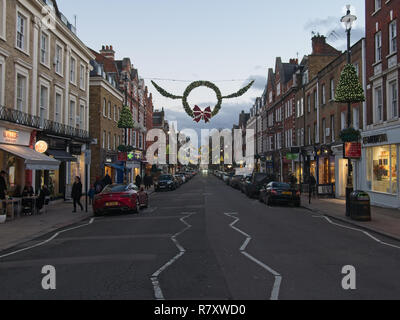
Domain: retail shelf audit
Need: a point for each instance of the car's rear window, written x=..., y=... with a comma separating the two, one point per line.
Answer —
x=165, y=177
x=115, y=188
x=282, y=186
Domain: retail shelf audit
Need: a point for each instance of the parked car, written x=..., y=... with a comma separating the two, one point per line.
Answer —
x=235, y=181
x=182, y=177
x=229, y=178
x=243, y=183
x=280, y=193
x=165, y=182
x=120, y=197
x=253, y=186
x=179, y=179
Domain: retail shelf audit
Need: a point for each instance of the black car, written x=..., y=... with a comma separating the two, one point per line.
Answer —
x=243, y=183
x=166, y=182
x=253, y=186
x=280, y=193
x=235, y=181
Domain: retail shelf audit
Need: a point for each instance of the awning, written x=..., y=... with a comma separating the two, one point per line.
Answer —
x=115, y=166
x=33, y=160
x=61, y=155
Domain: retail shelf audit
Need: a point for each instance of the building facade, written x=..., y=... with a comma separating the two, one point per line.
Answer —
x=106, y=101
x=381, y=138
x=44, y=93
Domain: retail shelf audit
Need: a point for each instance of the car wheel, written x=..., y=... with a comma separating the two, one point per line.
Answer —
x=96, y=213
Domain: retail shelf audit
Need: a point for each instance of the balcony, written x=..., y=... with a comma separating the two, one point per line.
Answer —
x=47, y=126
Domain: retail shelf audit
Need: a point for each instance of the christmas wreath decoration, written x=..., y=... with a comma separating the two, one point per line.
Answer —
x=196, y=112
x=349, y=89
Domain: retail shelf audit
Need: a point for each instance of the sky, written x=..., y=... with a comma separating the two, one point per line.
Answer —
x=214, y=40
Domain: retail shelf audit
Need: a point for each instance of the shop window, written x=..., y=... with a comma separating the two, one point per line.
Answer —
x=382, y=169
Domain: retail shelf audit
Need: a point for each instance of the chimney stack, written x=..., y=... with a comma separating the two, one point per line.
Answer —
x=318, y=44
x=108, y=52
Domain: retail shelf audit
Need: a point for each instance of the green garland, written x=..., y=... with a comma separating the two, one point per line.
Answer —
x=349, y=89
x=198, y=84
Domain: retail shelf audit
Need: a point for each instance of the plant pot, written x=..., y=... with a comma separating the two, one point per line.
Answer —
x=3, y=219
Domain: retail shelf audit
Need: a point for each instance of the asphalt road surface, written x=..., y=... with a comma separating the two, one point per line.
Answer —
x=204, y=241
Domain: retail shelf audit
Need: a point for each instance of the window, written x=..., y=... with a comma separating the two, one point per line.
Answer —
x=393, y=98
x=324, y=131
x=378, y=46
x=72, y=113
x=72, y=66
x=298, y=109
x=315, y=100
x=378, y=104
x=309, y=135
x=278, y=89
x=109, y=141
x=3, y=19
x=115, y=142
x=82, y=77
x=356, y=118
x=58, y=108
x=44, y=102
x=82, y=117
x=333, y=137
x=109, y=110
x=140, y=141
x=134, y=139
x=315, y=133
x=332, y=95
x=104, y=108
x=382, y=171
x=21, y=92
x=393, y=37
x=115, y=113
x=22, y=32
x=104, y=140
x=308, y=103
x=119, y=114
x=302, y=107
x=59, y=59
x=343, y=123
x=270, y=97
x=378, y=5
x=323, y=96
x=44, y=49
x=356, y=65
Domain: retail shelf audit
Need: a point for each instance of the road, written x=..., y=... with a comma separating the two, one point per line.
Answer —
x=204, y=241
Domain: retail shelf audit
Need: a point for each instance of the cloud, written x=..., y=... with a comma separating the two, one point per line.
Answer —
x=260, y=82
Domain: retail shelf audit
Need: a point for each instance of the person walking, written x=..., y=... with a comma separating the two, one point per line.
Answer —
x=312, y=182
x=3, y=189
x=107, y=180
x=147, y=181
x=77, y=193
x=91, y=194
x=138, y=181
x=98, y=185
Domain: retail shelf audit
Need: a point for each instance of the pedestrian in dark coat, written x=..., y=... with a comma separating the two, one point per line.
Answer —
x=3, y=185
x=147, y=182
x=98, y=186
x=76, y=193
x=107, y=180
x=138, y=181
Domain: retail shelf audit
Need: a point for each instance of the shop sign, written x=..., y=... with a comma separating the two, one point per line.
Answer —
x=75, y=149
x=10, y=136
x=122, y=156
x=352, y=150
x=270, y=164
x=292, y=156
x=380, y=138
x=17, y=137
x=41, y=146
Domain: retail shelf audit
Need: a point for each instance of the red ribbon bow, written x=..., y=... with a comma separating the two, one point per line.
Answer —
x=202, y=115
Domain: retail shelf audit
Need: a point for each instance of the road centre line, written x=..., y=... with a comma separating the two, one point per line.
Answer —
x=277, y=276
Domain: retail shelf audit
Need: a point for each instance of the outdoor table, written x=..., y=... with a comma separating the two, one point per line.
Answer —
x=32, y=200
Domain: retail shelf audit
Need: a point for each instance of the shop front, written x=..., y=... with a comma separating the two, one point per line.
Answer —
x=20, y=161
x=381, y=154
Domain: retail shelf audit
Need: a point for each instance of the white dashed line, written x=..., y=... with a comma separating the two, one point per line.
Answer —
x=48, y=240
x=278, y=277
x=154, y=278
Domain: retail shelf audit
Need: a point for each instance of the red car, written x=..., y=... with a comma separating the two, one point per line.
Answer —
x=120, y=198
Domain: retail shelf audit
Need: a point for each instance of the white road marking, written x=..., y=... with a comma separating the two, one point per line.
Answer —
x=358, y=230
x=48, y=240
x=278, y=277
x=154, y=278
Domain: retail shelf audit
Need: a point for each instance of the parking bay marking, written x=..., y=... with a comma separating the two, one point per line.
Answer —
x=277, y=276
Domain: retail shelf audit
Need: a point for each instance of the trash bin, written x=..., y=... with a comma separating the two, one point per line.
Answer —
x=360, y=206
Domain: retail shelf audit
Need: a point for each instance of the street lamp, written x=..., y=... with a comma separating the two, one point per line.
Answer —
x=348, y=21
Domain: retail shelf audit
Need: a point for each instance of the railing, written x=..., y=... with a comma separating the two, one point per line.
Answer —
x=48, y=126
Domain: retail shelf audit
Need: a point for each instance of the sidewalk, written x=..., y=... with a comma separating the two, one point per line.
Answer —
x=385, y=221
x=58, y=215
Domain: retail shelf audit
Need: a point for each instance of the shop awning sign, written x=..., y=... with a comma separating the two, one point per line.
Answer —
x=352, y=150
x=41, y=146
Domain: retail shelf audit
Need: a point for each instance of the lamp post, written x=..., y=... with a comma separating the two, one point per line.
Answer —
x=348, y=21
